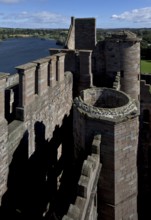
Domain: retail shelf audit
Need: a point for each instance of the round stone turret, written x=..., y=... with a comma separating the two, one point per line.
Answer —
x=122, y=51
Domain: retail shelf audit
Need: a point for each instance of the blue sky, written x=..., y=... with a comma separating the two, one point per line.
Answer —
x=57, y=13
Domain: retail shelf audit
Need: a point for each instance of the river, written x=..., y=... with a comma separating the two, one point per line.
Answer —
x=18, y=51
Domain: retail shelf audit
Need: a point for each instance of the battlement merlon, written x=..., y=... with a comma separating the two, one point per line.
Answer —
x=26, y=83
x=60, y=66
x=3, y=78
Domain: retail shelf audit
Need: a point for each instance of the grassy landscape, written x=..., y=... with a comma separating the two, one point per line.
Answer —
x=145, y=66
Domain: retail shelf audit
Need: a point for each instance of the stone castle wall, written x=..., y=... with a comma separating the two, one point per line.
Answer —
x=40, y=100
x=44, y=88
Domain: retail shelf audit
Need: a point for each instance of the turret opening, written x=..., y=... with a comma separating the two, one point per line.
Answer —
x=104, y=98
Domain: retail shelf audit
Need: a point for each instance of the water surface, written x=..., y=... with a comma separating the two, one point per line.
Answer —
x=18, y=51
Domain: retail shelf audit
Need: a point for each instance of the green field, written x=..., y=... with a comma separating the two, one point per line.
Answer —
x=145, y=66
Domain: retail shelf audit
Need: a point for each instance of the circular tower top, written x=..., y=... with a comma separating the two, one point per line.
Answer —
x=123, y=36
x=105, y=103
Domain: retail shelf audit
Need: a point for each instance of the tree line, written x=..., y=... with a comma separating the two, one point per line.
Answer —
x=60, y=35
x=6, y=33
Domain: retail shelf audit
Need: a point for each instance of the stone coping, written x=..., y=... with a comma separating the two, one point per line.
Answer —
x=3, y=75
x=12, y=80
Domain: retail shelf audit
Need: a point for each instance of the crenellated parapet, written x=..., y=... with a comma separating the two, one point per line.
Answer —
x=85, y=205
x=41, y=91
x=39, y=75
x=35, y=79
x=45, y=91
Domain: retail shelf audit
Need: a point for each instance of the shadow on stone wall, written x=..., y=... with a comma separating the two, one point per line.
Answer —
x=144, y=170
x=32, y=182
x=69, y=169
x=13, y=199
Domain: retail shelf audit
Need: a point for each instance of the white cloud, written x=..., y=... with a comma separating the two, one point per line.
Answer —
x=142, y=15
x=9, y=1
x=42, y=19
